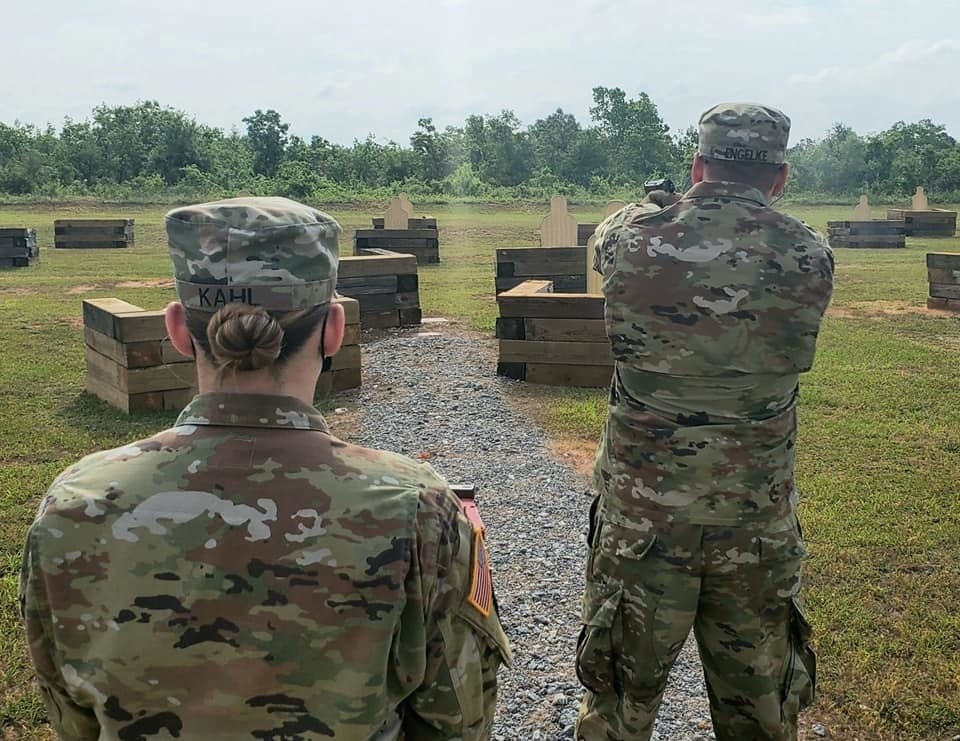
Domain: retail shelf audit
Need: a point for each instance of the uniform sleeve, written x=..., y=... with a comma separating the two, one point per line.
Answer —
x=608, y=232
x=465, y=643
x=68, y=719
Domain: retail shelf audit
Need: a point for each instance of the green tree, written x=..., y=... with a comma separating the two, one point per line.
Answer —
x=267, y=137
x=636, y=137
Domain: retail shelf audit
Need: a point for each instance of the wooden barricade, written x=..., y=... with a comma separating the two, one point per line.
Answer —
x=423, y=244
x=92, y=233
x=936, y=222
x=943, y=275
x=563, y=266
x=875, y=233
x=132, y=365
x=422, y=222
x=385, y=284
x=18, y=247
x=345, y=370
x=551, y=338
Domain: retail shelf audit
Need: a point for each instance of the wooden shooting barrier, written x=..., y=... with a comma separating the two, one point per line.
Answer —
x=399, y=231
x=18, y=247
x=386, y=286
x=85, y=234
x=936, y=222
x=867, y=234
x=132, y=365
x=943, y=276
x=565, y=267
x=551, y=338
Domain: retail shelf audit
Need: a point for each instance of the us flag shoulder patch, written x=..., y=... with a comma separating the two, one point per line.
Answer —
x=481, y=585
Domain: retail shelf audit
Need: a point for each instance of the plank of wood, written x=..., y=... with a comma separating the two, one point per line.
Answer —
x=590, y=376
x=510, y=328
x=129, y=355
x=139, y=327
x=351, y=335
x=175, y=400
x=367, y=285
x=585, y=231
x=18, y=232
x=944, y=304
x=17, y=262
x=563, y=353
x=561, y=283
x=170, y=354
x=353, y=266
x=351, y=309
x=941, y=275
x=516, y=371
x=380, y=235
x=91, y=223
x=333, y=382
x=551, y=305
x=943, y=260
x=380, y=319
x=15, y=251
x=100, y=313
x=126, y=403
x=105, y=370
x=90, y=245
x=410, y=316
x=945, y=290
x=159, y=378
x=565, y=330
x=348, y=357
x=408, y=283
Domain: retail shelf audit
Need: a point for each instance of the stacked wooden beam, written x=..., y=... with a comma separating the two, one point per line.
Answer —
x=92, y=233
x=943, y=274
x=565, y=267
x=936, y=222
x=131, y=364
x=421, y=239
x=584, y=232
x=424, y=222
x=386, y=286
x=345, y=371
x=875, y=233
x=18, y=247
x=551, y=338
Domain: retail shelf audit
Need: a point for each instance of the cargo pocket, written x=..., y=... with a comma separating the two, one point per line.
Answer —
x=596, y=661
x=800, y=681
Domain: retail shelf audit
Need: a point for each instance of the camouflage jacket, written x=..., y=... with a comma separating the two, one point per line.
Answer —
x=712, y=307
x=245, y=574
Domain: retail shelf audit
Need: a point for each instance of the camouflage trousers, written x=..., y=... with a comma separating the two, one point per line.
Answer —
x=649, y=583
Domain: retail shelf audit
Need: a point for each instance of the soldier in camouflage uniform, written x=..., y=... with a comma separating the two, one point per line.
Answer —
x=713, y=305
x=245, y=574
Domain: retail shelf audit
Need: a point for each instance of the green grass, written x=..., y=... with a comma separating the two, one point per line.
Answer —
x=878, y=460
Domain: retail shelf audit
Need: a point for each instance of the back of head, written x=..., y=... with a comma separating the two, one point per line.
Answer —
x=744, y=142
x=255, y=276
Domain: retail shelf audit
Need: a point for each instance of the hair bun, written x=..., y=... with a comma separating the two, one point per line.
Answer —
x=243, y=338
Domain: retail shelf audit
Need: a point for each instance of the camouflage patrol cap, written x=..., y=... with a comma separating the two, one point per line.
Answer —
x=270, y=252
x=744, y=132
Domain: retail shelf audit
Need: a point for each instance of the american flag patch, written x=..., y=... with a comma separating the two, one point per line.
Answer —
x=481, y=586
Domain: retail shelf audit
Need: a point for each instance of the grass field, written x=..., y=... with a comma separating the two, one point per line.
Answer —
x=879, y=450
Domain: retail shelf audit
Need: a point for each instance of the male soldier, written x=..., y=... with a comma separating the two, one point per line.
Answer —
x=713, y=304
x=245, y=574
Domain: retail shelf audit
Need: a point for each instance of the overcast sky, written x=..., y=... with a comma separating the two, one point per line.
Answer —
x=346, y=69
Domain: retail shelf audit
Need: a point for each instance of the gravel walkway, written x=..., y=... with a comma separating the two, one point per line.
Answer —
x=435, y=391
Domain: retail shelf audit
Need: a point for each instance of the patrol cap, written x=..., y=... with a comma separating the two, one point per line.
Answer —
x=269, y=252
x=744, y=132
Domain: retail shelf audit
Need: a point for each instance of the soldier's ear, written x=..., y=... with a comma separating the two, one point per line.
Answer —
x=332, y=336
x=175, y=319
x=696, y=169
x=781, y=180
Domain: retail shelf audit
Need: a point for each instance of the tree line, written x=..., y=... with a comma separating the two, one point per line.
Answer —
x=148, y=150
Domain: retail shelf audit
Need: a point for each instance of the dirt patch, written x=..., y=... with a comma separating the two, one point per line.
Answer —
x=579, y=454
x=82, y=288
x=883, y=310
x=152, y=283
x=19, y=291
x=75, y=322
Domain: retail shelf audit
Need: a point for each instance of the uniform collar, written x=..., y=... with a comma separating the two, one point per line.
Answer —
x=252, y=410
x=725, y=189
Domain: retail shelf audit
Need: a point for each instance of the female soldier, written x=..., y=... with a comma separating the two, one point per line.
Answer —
x=245, y=574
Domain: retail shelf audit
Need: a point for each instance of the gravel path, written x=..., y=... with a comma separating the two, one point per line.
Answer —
x=435, y=391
